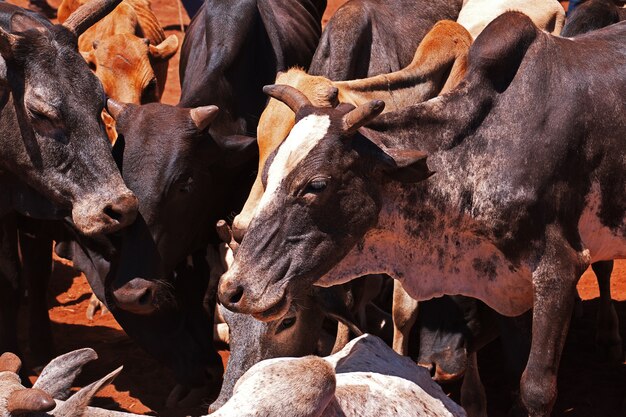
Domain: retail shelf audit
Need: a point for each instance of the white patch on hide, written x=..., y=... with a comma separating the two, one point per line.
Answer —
x=307, y=133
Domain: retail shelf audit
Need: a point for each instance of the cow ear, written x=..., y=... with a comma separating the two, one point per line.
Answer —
x=7, y=43
x=89, y=57
x=21, y=22
x=235, y=143
x=499, y=49
x=203, y=116
x=400, y=163
x=166, y=49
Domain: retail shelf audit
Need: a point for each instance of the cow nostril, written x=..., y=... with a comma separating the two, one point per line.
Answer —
x=237, y=295
x=146, y=298
x=112, y=213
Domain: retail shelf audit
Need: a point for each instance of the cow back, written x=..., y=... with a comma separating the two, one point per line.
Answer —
x=368, y=37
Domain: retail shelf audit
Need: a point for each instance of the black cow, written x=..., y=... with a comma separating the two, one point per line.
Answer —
x=368, y=37
x=51, y=139
x=55, y=158
x=524, y=196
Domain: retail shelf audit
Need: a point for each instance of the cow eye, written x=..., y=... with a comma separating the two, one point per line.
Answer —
x=316, y=185
x=186, y=186
x=38, y=115
x=286, y=323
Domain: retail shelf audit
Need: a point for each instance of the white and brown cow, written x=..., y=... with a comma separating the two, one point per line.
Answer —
x=365, y=379
x=517, y=199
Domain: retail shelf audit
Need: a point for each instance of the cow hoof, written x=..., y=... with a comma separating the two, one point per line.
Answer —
x=94, y=306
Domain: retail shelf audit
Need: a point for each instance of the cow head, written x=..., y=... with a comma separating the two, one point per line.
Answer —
x=322, y=194
x=178, y=171
x=61, y=147
x=125, y=65
x=297, y=333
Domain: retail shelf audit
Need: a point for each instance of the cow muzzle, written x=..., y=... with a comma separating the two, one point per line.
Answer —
x=98, y=214
x=136, y=296
x=271, y=304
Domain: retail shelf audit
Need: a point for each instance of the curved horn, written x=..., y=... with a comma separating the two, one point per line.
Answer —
x=203, y=116
x=115, y=108
x=362, y=115
x=289, y=95
x=89, y=14
x=29, y=400
x=10, y=362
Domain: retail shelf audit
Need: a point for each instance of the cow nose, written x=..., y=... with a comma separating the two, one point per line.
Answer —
x=137, y=296
x=231, y=294
x=122, y=210
x=94, y=214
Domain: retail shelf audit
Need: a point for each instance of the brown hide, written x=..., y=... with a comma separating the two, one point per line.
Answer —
x=128, y=51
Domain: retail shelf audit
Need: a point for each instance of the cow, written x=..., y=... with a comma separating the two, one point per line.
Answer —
x=191, y=180
x=366, y=378
x=298, y=333
x=367, y=37
x=591, y=15
x=488, y=216
x=55, y=161
x=50, y=140
x=548, y=15
x=127, y=50
x=442, y=52
x=204, y=176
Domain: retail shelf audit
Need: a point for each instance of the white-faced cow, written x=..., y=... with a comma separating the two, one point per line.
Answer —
x=516, y=200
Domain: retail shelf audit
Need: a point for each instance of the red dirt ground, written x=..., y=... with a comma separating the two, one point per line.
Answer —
x=587, y=388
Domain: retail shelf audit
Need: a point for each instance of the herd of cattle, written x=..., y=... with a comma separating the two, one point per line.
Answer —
x=472, y=150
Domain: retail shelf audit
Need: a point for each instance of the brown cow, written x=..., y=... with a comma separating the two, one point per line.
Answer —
x=442, y=51
x=128, y=51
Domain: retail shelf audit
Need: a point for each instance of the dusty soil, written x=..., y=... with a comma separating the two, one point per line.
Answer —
x=587, y=387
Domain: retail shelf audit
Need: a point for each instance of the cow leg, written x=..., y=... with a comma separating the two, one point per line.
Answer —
x=554, y=285
x=608, y=340
x=404, y=314
x=10, y=288
x=473, y=397
x=36, y=249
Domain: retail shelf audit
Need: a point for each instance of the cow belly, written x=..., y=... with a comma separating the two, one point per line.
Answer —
x=474, y=268
x=491, y=279
x=602, y=242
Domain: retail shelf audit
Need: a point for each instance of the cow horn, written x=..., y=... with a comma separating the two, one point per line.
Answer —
x=115, y=108
x=203, y=116
x=89, y=14
x=289, y=95
x=29, y=401
x=10, y=363
x=362, y=115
